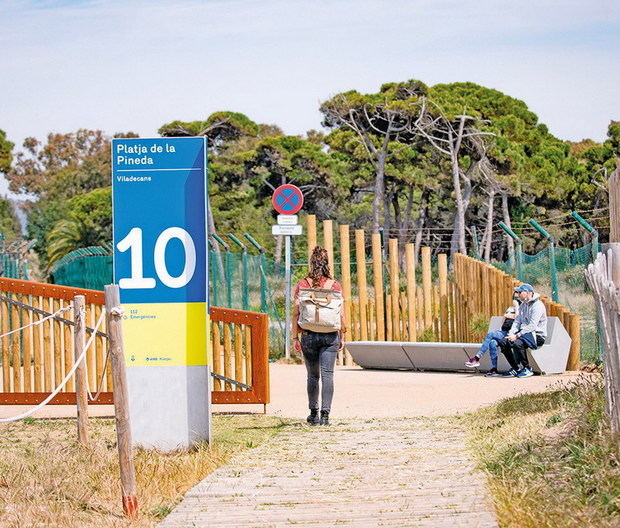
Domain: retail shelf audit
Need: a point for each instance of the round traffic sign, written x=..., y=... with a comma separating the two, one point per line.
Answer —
x=287, y=199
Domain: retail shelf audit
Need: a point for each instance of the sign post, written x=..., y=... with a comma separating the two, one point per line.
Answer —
x=288, y=201
x=160, y=264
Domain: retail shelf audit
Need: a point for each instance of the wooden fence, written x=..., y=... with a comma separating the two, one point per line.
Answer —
x=36, y=359
x=603, y=276
x=388, y=299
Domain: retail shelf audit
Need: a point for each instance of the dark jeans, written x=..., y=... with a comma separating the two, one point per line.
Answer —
x=516, y=352
x=320, y=352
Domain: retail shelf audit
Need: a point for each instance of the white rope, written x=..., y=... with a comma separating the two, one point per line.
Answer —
x=87, y=346
x=118, y=311
x=62, y=383
x=100, y=384
x=34, y=323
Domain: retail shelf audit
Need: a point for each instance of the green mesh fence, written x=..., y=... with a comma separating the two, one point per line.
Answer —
x=13, y=262
x=13, y=266
x=250, y=282
x=238, y=280
x=89, y=267
x=573, y=291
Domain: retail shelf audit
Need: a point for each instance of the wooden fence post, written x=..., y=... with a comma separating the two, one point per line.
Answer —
x=411, y=286
x=377, y=272
x=81, y=396
x=427, y=286
x=311, y=235
x=362, y=286
x=345, y=269
x=394, y=287
x=121, y=402
x=614, y=207
x=442, y=264
x=328, y=243
x=575, y=347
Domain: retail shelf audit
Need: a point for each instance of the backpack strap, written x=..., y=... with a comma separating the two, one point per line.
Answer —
x=329, y=283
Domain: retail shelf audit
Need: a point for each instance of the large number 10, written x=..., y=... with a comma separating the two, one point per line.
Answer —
x=133, y=241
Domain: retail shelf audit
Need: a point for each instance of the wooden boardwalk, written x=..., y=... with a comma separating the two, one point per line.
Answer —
x=384, y=472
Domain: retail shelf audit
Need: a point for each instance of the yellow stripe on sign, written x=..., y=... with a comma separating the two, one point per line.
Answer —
x=165, y=334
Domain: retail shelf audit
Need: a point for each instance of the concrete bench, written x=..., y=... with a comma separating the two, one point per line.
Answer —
x=551, y=358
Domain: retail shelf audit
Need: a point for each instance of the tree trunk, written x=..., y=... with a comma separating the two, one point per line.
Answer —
x=457, y=242
x=458, y=239
x=379, y=192
x=489, y=228
x=277, y=256
x=506, y=213
x=419, y=229
x=406, y=220
x=387, y=217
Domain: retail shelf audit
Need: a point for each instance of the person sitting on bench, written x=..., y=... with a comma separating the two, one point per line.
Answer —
x=529, y=330
x=493, y=340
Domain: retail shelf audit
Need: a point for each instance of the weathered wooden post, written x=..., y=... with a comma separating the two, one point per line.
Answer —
x=345, y=268
x=328, y=243
x=442, y=264
x=411, y=291
x=427, y=286
x=121, y=401
x=377, y=271
x=311, y=235
x=362, y=286
x=614, y=206
x=81, y=396
x=394, y=287
x=575, y=347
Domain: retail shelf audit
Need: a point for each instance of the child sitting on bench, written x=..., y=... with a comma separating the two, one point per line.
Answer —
x=492, y=342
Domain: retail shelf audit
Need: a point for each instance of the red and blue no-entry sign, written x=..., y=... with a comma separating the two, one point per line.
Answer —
x=287, y=199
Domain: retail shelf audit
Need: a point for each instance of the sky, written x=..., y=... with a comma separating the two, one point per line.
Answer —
x=133, y=65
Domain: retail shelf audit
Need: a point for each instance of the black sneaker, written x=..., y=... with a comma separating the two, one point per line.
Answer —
x=512, y=373
x=324, y=418
x=313, y=417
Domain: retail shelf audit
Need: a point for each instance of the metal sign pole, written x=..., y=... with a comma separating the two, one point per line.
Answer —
x=287, y=281
x=287, y=200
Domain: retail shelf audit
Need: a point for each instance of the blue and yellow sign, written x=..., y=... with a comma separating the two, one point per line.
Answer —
x=159, y=189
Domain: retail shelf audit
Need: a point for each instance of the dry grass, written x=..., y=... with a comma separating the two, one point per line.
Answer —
x=551, y=459
x=47, y=480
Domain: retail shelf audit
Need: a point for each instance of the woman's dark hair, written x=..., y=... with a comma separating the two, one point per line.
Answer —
x=319, y=266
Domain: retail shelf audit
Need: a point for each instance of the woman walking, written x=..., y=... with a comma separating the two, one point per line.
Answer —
x=318, y=332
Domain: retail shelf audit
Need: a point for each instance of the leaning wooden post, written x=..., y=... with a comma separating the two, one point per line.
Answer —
x=362, y=287
x=442, y=264
x=614, y=207
x=394, y=287
x=377, y=271
x=311, y=235
x=81, y=396
x=121, y=401
x=411, y=317
x=345, y=267
x=427, y=286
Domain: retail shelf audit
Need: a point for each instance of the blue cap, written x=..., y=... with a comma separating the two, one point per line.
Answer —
x=524, y=287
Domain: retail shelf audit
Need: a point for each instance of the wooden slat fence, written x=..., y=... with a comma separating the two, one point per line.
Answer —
x=240, y=352
x=35, y=359
x=387, y=297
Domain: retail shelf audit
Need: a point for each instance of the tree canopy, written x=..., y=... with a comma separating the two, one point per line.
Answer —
x=424, y=163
